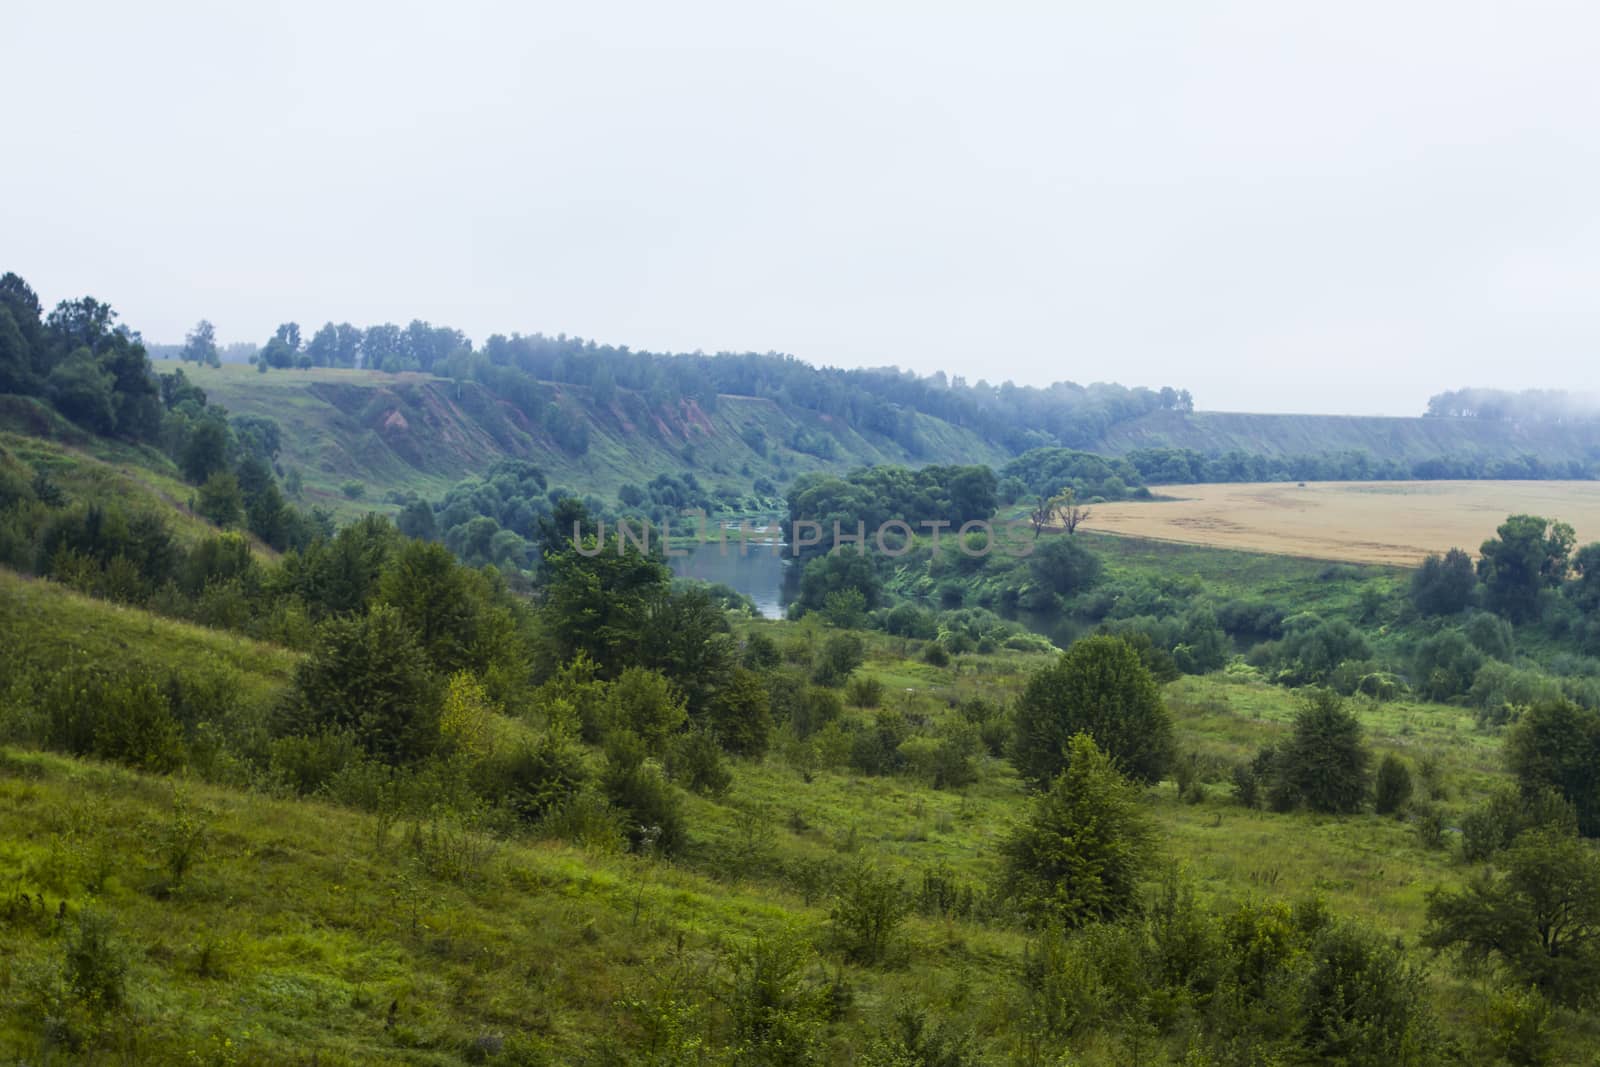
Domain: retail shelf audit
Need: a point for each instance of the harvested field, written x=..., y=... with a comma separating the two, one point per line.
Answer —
x=1360, y=522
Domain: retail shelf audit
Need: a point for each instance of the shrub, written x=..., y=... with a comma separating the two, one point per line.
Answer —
x=647, y=704
x=1324, y=764
x=1363, y=1003
x=867, y=908
x=864, y=692
x=1098, y=687
x=695, y=761
x=777, y=1014
x=840, y=655
x=368, y=676
x=739, y=712
x=95, y=965
x=536, y=777
x=1444, y=585
x=934, y=654
x=1393, y=788
x=652, y=811
x=1556, y=745
x=1085, y=846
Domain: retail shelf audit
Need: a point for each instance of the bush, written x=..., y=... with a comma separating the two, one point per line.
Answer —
x=1363, y=1003
x=840, y=655
x=1324, y=764
x=536, y=777
x=368, y=676
x=1085, y=846
x=650, y=806
x=1393, y=788
x=95, y=965
x=695, y=761
x=645, y=704
x=934, y=654
x=867, y=908
x=1098, y=687
x=864, y=692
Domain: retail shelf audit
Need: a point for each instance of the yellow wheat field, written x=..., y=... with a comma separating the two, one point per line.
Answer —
x=1360, y=522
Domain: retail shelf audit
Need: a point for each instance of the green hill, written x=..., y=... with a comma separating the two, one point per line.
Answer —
x=417, y=432
x=1404, y=439
x=239, y=926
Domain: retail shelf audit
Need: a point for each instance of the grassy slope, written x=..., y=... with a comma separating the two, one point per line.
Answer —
x=1384, y=437
x=96, y=468
x=298, y=929
x=415, y=432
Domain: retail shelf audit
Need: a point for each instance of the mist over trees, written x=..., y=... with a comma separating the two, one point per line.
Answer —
x=1529, y=405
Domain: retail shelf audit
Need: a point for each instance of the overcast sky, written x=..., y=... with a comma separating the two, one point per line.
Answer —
x=1283, y=207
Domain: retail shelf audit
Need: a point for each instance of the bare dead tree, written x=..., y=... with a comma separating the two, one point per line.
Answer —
x=1064, y=503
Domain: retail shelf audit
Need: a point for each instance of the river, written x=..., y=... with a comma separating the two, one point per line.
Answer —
x=758, y=571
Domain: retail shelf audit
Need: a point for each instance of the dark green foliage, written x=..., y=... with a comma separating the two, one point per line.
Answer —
x=876, y=749
x=1556, y=745
x=1495, y=824
x=1253, y=781
x=864, y=692
x=1098, y=687
x=1540, y=916
x=368, y=675
x=839, y=572
x=912, y=1039
x=651, y=808
x=1585, y=592
x=1529, y=555
x=646, y=705
x=1445, y=665
x=206, y=451
x=1325, y=763
x=1312, y=649
x=1048, y=471
x=694, y=760
x=536, y=777
x=777, y=1012
x=807, y=708
x=220, y=500
x=1444, y=585
x=116, y=714
x=1364, y=1004
x=1063, y=566
x=1392, y=790
x=869, y=498
x=598, y=605
x=840, y=655
x=1085, y=846
x=739, y=713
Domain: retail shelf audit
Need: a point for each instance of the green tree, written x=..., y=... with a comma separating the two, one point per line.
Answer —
x=1529, y=555
x=1586, y=590
x=1393, y=788
x=367, y=676
x=220, y=501
x=1556, y=745
x=434, y=595
x=1325, y=762
x=1064, y=566
x=647, y=705
x=1539, y=916
x=1100, y=687
x=81, y=388
x=1444, y=585
x=206, y=450
x=1085, y=847
x=200, y=346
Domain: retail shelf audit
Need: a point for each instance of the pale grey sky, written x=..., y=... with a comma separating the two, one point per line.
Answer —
x=1283, y=207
